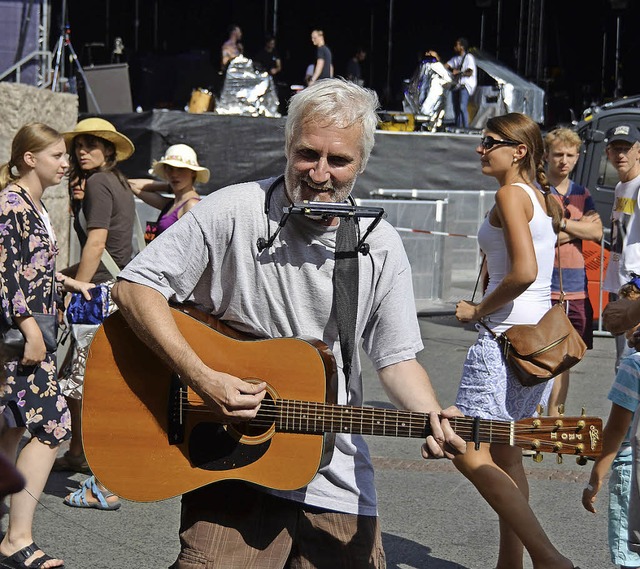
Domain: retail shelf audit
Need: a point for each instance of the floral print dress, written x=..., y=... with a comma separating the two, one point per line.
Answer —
x=31, y=395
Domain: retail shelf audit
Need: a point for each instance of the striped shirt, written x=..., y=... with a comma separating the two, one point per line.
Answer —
x=575, y=203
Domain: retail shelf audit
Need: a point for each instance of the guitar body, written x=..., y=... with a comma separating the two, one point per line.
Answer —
x=147, y=438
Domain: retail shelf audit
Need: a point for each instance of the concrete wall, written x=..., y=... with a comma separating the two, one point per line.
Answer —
x=21, y=104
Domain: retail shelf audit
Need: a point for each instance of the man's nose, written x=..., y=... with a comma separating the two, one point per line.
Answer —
x=320, y=173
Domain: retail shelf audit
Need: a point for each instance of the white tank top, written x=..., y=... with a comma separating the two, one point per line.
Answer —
x=531, y=305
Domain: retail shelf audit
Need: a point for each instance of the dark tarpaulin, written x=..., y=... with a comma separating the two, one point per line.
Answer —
x=238, y=149
x=423, y=161
x=234, y=148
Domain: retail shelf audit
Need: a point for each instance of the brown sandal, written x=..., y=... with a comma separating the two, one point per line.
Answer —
x=72, y=463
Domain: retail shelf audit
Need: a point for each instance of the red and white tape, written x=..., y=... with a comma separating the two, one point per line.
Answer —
x=409, y=230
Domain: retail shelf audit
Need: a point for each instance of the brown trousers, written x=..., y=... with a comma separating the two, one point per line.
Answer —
x=233, y=525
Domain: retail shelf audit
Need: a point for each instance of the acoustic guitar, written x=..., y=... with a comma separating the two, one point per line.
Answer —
x=147, y=437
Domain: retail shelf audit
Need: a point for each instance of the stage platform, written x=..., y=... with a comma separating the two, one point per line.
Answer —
x=237, y=149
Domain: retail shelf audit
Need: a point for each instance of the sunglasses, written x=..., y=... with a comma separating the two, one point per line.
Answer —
x=488, y=142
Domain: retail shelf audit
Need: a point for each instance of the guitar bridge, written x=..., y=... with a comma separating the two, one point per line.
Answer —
x=176, y=410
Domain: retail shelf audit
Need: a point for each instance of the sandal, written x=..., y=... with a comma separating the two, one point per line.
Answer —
x=78, y=499
x=19, y=558
x=73, y=463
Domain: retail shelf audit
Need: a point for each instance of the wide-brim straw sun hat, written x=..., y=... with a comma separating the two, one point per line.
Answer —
x=102, y=129
x=181, y=156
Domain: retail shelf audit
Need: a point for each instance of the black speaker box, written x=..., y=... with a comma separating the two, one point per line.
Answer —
x=111, y=88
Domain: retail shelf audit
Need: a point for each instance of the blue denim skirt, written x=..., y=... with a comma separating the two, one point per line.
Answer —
x=489, y=389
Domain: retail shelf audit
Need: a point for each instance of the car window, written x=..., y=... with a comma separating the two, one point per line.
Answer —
x=607, y=174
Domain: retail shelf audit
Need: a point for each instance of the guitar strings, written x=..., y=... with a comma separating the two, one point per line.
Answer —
x=290, y=412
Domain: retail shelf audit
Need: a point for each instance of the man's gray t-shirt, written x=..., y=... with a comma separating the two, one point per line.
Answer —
x=210, y=257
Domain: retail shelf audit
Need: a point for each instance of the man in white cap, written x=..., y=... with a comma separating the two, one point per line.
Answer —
x=623, y=151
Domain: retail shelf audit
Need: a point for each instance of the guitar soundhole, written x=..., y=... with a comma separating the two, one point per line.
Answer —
x=262, y=427
x=214, y=447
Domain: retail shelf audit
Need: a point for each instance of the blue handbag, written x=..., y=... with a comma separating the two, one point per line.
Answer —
x=94, y=311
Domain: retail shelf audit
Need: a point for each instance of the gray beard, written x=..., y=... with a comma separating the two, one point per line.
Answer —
x=294, y=191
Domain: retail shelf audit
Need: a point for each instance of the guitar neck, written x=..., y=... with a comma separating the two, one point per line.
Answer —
x=317, y=418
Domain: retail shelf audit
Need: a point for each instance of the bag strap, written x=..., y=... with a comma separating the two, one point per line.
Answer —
x=557, y=248
x=106, y=258
x=345, y=290
x=138, y=233
x=475, y=288
x=484, y=258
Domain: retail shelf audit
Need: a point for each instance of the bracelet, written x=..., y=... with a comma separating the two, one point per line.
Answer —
x=589, y=487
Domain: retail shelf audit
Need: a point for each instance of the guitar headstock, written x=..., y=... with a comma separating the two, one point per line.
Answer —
x=578, y=436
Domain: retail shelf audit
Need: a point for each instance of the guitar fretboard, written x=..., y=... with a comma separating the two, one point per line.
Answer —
x=317, y=418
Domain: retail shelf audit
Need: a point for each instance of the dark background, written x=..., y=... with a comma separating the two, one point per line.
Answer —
x=173, y=46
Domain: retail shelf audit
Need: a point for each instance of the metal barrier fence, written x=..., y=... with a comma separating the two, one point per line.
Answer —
x=438, y=229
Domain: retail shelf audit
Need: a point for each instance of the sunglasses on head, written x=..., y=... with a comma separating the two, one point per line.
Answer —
x=488, y=142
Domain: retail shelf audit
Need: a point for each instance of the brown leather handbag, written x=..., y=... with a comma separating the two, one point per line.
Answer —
x=538, y=352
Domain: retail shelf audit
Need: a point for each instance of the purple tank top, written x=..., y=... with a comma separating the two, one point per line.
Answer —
x=166, y=220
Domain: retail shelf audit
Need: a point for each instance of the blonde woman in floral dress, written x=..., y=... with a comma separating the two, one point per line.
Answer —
x=30, y=398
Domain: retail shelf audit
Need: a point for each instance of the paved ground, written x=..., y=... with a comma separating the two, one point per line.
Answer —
x=431, y=516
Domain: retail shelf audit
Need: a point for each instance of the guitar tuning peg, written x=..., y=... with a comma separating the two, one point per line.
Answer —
x=538, y=457
x=559, y=459
x=561, y=409
x=539, y=409
x=583, y=413
x=581, y=460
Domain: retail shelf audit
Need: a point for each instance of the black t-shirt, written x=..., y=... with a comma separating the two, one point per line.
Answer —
x=265, y=60
x=354, y=70
x=324, y=52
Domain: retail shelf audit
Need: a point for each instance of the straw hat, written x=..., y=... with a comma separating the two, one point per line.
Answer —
x=102, y=129
x=181, y=156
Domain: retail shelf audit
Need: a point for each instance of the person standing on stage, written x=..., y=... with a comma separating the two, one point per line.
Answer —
x=267, y=59
x=324, y=66
x=231, y=48
x=465, y=74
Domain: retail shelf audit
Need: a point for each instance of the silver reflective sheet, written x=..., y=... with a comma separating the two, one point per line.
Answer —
x=247, y=91
x=427, y=91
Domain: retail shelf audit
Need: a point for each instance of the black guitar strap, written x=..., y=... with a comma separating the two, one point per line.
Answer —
x=462, y=62
x=345, y=290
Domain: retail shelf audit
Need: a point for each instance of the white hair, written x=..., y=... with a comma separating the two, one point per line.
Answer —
x=335, y=102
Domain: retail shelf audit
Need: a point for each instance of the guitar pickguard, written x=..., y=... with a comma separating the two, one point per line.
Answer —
x=212, y=447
